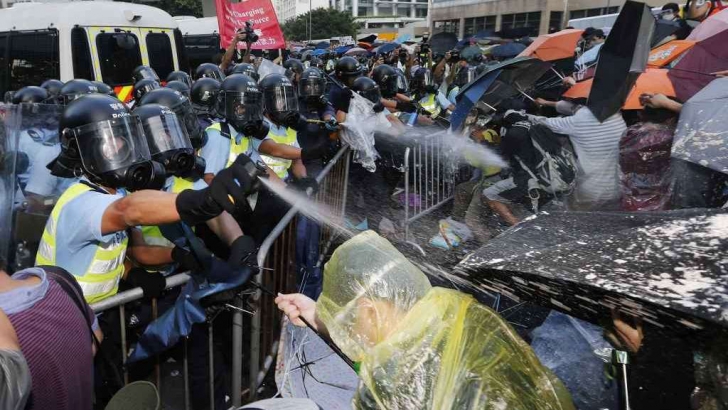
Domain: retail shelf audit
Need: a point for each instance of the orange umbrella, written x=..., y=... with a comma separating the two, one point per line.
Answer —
x=669, y=52
x=654, y=80
x=550, y=47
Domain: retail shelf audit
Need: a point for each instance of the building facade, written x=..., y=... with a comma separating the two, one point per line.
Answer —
x=412, y=9
x=467, y=17
x=289, y=9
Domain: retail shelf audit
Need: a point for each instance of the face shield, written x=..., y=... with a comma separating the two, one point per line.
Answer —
x=389, y=86
x=8, y=159
x=402, y=84
x=372, y=95
x=169, y=143
x=242, y=110
x=188, y=118
x=311, y=87
x=281, y=104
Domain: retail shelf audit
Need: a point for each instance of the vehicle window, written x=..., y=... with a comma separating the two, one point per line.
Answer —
x=202, y=48
x=159, y=49
x=33, y=57
x=184, y=64
x=4, y=80
x=119, y=55
x=82, y=65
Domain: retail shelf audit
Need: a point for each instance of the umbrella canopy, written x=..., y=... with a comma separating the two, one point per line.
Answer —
x=386, y=48
x=470, y=52
x=323, y=45
x=343, y=49
x=364, y=45
x=483, y=34
x=711, y=26
x=556, y=46
x=441, y=43
x=368, y=39
x=499, y=82
x=356, y=51
x=667, y=53
x=622, y=58
x=404, y=38
x=664, y=267
x=701, y=136
x=653, y=80
x=692, y=72
x=319, y=52
x=508, y=50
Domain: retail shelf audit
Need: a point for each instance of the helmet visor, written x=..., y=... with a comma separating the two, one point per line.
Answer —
x=242, y=107
x=402, y=84
x=165, y=133
x=110, y=145
x=311, y=87
x=280, y=99
x=372, y=95
x=187, y=117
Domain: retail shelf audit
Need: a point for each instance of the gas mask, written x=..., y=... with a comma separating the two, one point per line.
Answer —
x=242, y=110
x=281, y=105
x=114, y=153
x=169, y=143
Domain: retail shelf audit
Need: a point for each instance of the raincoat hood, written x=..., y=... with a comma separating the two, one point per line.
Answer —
x=444, y=351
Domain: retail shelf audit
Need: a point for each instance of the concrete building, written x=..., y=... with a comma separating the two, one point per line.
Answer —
x=412, y=9
x=289, y=9
x=467, y=17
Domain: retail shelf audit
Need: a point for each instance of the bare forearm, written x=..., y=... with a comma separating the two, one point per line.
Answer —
x=274, y=149
x=225, y=227
x=141, y=208
x=149, y=255
x=298, y=169
x=227, y=58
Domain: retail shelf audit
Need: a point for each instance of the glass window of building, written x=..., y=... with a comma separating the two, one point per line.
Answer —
x=530, y=20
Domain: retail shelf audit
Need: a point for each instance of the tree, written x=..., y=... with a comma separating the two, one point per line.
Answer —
x=326, y=23
x=181, y=7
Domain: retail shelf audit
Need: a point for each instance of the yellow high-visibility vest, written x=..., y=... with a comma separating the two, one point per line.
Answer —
x=152, y=234
x=101, y=278
x=430, y=104
x=279, y=165
x=235, y=147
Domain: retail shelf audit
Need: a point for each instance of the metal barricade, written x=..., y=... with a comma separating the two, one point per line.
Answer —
x=429, y=178
x=277, y=260
x=119, y=301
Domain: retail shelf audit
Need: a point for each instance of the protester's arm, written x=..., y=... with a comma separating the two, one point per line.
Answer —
x=545, y=103
x=440, y=67
x=297, y=306
x=8, y=337
x=723, y=73
x=559, y=125
x=227, y=58
x=660, y=101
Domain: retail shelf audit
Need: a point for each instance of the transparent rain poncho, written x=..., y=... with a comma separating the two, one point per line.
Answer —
x=359, y=128
x=421, y=347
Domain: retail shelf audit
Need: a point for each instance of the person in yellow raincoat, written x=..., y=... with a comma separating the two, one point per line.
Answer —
x=420, y=347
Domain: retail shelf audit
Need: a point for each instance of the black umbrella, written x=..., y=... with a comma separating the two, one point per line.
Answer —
x=622, y=59
x=667, y=268
x=368, y=39
x=663, y=29
x=441, y=43
x=508, y=50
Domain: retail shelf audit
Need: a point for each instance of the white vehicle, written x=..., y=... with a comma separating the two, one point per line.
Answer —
x=201, y=37
x=95, y=40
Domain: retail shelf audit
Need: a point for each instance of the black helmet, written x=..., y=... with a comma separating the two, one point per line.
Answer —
x=317, y=63
x=144, y=86
x=30, y=95
x=209, y=70
x=179, y=86
x=295, y=65
x=247, y=69
x=422, y=81
x=167, y=139
x=53, y=87
x=312, y=84
x=144, y=72
x=402, y=83
x=76, y=88
x=101, y=139
x=347, y=70
x=104, y=88
x=279, y=99
x=367, y=88
x=180, y=76
x=241, y=103
x=204, y=95
x=386, y=78
x=175, y=101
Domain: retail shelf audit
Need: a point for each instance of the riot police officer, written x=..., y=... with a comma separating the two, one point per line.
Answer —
x=425, y=92
x=141, y=88
x=181, y=106
x=203, y=97
x=347, y=70
x=76, y=88
x=246, y=69
x=144, y=72
x=209, y=70
x=318, y=116
x=294, y=69
x=180, y=76
x=387, y=79
x=53, y=87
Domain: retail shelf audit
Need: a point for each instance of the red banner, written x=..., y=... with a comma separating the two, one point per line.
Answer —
x=232, y=17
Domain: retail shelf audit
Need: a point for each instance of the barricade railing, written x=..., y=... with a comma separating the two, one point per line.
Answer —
x=429, y=178
x=120, y=301
x=277, y=259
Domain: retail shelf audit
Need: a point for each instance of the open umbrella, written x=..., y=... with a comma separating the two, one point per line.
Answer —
x=499, y=82
x=469, y=53
x=669, y=52
x=622, y=58
x=368, y=39
x=508, y=50
x=701, y=136
x=386, y=48
x=664, y=267
x=653, y=80
x=441, y=43
x=356, y=51
x=323, y=45
x=319, y=52
x=552, y=47
x=711, y=26
x=342, y=49
x=692, y=72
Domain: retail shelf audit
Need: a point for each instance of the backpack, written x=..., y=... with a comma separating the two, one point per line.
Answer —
x=557, y=171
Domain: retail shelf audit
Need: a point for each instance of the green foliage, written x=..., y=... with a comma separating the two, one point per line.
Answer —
x=326, y=23
x=181, y=7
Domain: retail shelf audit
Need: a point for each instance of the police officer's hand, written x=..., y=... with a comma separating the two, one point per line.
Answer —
x=307, y=185
x=242, y=252
x=378, y=107
x=186, y=260
x=332, y=125
x=406, y=106
x=152, y=283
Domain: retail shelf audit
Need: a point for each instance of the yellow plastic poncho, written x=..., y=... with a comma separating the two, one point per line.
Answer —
x=426, y=348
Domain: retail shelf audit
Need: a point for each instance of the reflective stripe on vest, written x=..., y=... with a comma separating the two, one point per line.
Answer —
x=101, y=278
x=235, y=147
x=152, y=235
x=279, y=165
x=430, y=104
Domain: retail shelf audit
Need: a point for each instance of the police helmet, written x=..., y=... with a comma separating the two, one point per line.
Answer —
x=30, y=95
x=104, y=88
x=240, y=101
x=181, y=106
x=179, y=86
x=247, y=69
x=347, y=70
x=144, y=86
x=203, y=95
x=386, y=78
x=53, y=87
x=367, y=88
x=76, y=88
x=180, y=76
x=279, y=99
x=312, y=84
x=144, y=72
x=209, y=70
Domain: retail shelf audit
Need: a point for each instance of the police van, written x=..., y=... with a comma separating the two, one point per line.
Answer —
x=95, y=40
x=201, y=37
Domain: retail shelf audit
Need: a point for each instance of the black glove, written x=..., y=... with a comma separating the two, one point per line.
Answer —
x=303, y=185
x=242, y=252
x=186, y=260
x=152, y=283
x=227, y=191
x=378, y=107
x=316, y=151
x=342, y=99
x=406, y=106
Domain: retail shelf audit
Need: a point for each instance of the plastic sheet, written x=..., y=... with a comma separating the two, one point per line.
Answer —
x=14, y=380
x=422, y=347
x=268, y=67
x=359, y=128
